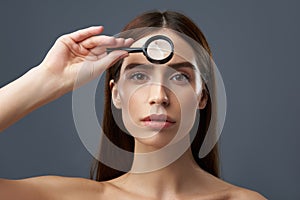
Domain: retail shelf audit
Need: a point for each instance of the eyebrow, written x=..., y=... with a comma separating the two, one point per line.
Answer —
x=174, y=66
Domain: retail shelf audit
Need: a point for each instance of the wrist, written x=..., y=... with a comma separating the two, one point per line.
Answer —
x=48, y=86
x=32, y=90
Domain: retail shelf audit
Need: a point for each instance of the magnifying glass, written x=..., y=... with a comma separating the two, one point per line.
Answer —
x=158, y=49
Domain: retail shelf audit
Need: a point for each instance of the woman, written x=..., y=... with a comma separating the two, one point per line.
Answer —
x=158, y=105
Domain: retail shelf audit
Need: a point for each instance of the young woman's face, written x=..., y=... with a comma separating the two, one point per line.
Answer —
x=159, y=101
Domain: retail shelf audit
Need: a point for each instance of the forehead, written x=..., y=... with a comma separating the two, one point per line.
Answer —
x=183, y=52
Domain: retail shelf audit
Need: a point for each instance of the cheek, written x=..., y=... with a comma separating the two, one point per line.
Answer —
x=187, y=96
x=133, y=110
x=133, y=100
x=188, y=103
x=126, y=91
x=136, y=103
x=188, y=111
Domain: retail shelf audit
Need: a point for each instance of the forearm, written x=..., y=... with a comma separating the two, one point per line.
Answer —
x=71, y=53
x=32, y=90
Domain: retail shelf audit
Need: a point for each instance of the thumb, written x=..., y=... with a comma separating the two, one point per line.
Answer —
x=107, y=61
x=92, y=69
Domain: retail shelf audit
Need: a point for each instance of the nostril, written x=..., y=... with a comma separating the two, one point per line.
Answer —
x=158, y=95
x=160, y=100
x=165, y=100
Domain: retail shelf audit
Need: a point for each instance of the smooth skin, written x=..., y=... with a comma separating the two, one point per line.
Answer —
x=84, y=51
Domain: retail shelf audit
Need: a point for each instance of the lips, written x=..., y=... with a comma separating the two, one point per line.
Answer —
x=158, y=121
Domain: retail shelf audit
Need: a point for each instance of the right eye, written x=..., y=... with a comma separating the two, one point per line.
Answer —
x=139, y=76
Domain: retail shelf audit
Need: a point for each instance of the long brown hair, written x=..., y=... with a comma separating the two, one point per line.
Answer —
x=180, y=23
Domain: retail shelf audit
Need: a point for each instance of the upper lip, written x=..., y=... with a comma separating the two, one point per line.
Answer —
x=158, y=117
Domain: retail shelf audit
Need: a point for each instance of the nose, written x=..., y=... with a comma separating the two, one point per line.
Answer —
x=158, y=95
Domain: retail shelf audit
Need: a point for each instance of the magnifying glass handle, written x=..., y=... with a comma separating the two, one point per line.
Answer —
x=129, y=50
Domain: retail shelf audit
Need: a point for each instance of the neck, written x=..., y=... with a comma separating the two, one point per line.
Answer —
x=179, y=177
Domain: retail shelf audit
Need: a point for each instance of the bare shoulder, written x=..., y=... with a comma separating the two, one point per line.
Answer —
x=242, y=193
x=56, y=181
x=225, y=190
x=49, y=187
x=68, y=186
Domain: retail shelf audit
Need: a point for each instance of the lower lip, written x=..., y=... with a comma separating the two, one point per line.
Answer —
x=157, y=124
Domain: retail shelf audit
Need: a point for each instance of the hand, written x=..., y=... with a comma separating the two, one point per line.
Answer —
x=79, y=57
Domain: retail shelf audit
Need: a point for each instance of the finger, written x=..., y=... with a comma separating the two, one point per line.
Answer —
x=83, y=34
x=108, y=61
x=101, y=40
x=120, y=42
x=98, y=46
x=74, y=47
x=107, y=41
x=128, y=42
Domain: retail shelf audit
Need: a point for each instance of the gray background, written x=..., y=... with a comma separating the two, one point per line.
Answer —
x=255, y=45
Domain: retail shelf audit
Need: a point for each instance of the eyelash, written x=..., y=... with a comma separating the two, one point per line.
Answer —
x=186, y=76
x=134, y=76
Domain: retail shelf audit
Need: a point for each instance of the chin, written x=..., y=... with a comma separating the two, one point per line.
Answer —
x=153, y=143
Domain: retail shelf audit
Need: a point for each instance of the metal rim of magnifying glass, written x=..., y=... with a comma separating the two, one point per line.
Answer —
x=145, y=48
x=158, y=61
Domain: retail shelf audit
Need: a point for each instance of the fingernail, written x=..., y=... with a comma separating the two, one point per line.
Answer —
x=129, y=39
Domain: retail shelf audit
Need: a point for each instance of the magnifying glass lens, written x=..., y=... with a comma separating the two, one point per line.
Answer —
x=159, y=49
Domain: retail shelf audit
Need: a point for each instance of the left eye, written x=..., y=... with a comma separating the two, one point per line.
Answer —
x=183, y=78
x=138, y=76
